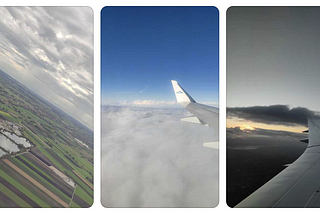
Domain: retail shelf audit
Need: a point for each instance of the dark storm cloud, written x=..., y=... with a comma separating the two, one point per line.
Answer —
x=50, y=50
x=274, y=114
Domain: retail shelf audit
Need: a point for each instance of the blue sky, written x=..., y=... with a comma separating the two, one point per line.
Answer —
x=143, y=48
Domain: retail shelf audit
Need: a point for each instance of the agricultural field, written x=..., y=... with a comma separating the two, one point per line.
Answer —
x=46, y=156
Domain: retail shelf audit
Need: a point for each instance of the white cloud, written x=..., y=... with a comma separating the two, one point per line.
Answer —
x=151, y=103
x=51, y=46
x=152, y=159
x=143, y=103
x=214, y=104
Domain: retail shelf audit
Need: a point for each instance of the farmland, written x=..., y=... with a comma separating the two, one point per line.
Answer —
x=50, y=161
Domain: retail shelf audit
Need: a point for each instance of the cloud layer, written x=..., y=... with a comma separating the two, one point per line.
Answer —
x=144, y=103
x=151, y=103
x=236, y=133
x=274, y=114
x=50, y=50
x=152, y=159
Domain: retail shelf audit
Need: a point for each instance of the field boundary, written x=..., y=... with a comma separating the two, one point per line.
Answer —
x=36, y=136
x=74, y=192
x=84, y=180
x=36, y=183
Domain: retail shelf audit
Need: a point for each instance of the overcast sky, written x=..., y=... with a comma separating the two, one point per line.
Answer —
x=50, y=51
x=273, y=56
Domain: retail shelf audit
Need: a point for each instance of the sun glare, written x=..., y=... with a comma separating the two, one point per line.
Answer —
x=244, y=126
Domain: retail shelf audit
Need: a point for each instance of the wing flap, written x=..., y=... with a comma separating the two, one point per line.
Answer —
x=213, y=145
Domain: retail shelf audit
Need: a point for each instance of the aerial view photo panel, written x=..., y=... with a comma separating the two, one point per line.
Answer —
x=46, y=107
x=160, y=106
x=273, y=120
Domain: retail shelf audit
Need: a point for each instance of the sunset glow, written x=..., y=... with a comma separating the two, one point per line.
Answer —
x=243, y=124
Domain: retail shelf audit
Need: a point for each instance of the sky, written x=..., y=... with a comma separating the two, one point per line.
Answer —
x=272, y=57
x=50, y=51
x=143, y=48
x=152, y=159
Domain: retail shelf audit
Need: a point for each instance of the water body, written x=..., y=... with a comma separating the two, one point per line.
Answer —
x=8, y=144
x=2, y=153
x=18, y=140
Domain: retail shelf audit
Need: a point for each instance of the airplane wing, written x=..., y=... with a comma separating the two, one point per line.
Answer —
x=296, y=186
x=206, y=115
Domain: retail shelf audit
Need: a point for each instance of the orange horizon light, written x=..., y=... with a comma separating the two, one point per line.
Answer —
x=245, y=126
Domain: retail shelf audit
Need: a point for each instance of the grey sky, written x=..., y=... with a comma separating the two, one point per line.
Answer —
x=152, y=159
x=50, y=50
x=273, y=56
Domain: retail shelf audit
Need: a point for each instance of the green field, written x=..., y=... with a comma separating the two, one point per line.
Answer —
x=54, y=155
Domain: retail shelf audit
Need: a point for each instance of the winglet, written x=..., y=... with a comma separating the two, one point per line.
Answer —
x=183, y=98
x=314, y=132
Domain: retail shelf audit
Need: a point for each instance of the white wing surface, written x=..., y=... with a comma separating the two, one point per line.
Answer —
x=206, y=115
x=296, y=186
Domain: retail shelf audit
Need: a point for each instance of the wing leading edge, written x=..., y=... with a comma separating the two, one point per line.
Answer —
x=206, y=115
x=296, y=186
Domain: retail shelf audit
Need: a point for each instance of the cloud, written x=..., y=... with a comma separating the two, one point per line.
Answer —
x=50, y=50
x=144, y=103
x=214, y=104
x=274, y=114
x=151, y=103
x=152, y=159
x=237, y=132
x=238, y=139
x=143, y=90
